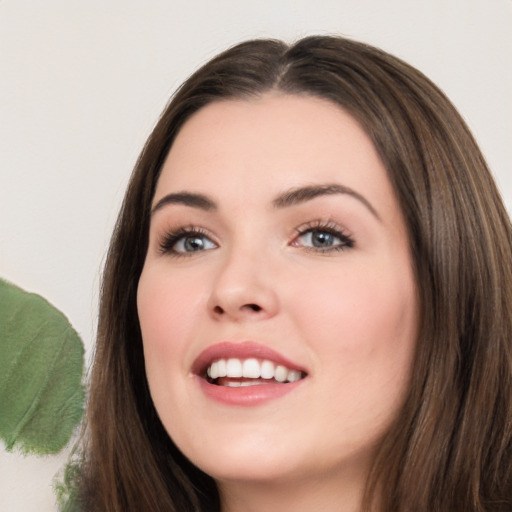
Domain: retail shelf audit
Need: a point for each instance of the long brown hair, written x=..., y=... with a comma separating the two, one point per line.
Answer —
x=450, y=447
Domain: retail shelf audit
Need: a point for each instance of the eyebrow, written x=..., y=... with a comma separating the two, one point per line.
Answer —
x=191, y=199
x=291, y=197
x=300, y=195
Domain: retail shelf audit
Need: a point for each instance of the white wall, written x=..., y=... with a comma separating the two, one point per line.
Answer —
x=81, y=84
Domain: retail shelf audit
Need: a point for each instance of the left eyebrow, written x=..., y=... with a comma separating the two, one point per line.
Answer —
x=190, y=199
x=300, y=195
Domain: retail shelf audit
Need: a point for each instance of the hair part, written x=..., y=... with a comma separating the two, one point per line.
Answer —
x=450, y=447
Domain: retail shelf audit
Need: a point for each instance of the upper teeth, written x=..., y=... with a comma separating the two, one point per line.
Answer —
x=253, y=369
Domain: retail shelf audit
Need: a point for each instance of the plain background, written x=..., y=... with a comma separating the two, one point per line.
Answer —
x=82, y=84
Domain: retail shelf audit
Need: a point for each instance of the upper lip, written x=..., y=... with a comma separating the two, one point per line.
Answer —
x=240, y=350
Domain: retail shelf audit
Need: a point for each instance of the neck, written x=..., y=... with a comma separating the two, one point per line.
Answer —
x=325, y=494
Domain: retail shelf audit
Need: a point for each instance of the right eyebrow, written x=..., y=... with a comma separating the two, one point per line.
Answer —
x=186, y=198
x=300, y=195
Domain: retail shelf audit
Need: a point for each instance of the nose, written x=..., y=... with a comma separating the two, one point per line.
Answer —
x=243, y=290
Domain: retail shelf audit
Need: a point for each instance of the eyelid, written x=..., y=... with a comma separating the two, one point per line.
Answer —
x=328, y=226
x=167, y=241
x=171, y=236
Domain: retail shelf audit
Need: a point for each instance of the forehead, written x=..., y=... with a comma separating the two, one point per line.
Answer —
x=272, y=143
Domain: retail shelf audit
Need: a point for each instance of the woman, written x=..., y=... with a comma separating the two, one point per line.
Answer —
x=306, y=302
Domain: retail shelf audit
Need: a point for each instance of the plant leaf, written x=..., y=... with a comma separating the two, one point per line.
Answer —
x=41, y=372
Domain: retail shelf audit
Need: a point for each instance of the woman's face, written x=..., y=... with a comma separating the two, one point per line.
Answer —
x=277, y=252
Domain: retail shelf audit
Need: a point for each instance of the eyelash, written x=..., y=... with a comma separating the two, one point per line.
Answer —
x=329, y=227
x=168, y=243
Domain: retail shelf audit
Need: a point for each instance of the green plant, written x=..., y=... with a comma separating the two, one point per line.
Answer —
x=41, y=377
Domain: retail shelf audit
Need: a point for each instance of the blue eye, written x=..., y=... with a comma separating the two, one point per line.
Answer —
x=193, y=243
x=323, y=238
x=320, y=239
x=185, y=241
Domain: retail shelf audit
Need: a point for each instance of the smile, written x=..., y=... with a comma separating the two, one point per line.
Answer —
x=246, y=373
x=249, y=372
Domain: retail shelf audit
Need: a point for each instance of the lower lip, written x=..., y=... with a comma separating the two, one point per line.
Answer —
x=249, y=395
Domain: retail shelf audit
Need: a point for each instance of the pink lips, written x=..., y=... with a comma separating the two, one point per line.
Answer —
x=244, y=396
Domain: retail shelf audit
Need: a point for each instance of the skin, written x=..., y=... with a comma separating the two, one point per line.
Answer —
x=346, y=313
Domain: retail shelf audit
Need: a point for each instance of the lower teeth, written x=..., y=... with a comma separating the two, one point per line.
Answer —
x=241, y=383
x=244, y=384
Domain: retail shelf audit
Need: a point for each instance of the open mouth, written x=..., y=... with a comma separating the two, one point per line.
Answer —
x=235, y=372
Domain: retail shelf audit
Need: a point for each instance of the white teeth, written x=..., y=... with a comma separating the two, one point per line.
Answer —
x=280, y=373
x=251, y=368
x=239, y=384
x=267, y=370
x=234, y=368
x=222, y=368
x=247, y=383
x=217, y=369
x=213, y=371
x=293, y=376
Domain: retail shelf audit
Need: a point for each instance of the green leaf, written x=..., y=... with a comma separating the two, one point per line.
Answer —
x=66, y=486
x=41, y=373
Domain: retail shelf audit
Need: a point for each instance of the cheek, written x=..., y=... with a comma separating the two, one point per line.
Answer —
x=359, y=294
x=167, y=308
x=364, y=323
x=360, y=327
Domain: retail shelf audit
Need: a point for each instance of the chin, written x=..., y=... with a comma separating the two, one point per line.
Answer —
x=258, y=459
x=256, y=471
x=247, y=458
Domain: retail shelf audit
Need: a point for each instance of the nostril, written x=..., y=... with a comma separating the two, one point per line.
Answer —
x=220, y=311
x=253, y=307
